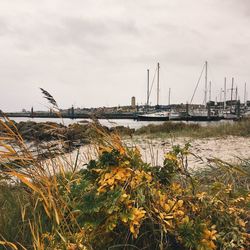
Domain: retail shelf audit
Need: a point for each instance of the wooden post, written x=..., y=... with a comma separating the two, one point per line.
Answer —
x=72, y=113
x=32, y=112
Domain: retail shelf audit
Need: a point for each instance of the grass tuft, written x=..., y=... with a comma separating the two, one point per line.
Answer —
x=239, y=128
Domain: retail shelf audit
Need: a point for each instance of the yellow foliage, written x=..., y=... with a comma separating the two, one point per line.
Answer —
x=228, y=188
x=209, y=236
x=137, y=216
x=139, y=177
x=169, y=211
x=118, y=175
x=242, y=223
x=171, y=157
x=180, y=203
x=201, y=196
x=185, y=220
x=176, y=188
x=122, y=175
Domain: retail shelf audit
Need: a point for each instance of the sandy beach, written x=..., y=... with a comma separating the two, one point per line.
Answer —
x=229, y=149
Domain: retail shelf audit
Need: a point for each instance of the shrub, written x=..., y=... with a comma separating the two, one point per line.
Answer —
x=120, y=202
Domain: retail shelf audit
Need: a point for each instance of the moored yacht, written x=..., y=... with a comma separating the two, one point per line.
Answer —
x=177, y=115
x=157, y=116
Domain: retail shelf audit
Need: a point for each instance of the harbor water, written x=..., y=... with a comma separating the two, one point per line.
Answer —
x=133, y=124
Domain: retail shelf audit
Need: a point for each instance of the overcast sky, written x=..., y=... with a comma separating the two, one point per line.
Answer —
x=90, y=53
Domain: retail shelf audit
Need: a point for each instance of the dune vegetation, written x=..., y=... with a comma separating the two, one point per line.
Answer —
x=117, y=201
x=238, y=128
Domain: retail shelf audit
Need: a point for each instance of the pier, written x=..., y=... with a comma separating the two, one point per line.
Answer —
x=231, y=110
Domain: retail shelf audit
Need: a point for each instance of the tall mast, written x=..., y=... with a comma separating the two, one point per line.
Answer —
x=158, y=82
x=147, y=88
x=232, y=93
x=245, y=95
x=210, y=91
x=206, y=83
x=225, y=92
x=169, y=93
x=232, y=89
x=236, y=93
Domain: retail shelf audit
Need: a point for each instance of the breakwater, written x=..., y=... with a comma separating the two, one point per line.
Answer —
x=74, y=116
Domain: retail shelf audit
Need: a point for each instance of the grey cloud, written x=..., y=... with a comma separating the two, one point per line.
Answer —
x=237, y=7
x=97, y=29
x=84, y=26
x=91, y=35
x=3, y=27
x=90, y=45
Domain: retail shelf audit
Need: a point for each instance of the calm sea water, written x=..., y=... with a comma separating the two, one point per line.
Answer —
x=109, y=123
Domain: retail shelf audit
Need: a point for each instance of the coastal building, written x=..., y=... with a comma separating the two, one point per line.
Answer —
x=133, y=102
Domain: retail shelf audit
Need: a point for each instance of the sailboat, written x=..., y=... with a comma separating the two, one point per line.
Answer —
x=203, y=114
x=157, y=115
x=177, y=115
x=231, y=112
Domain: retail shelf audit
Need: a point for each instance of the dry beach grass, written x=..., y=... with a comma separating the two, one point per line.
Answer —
x=137, y=193
x=106, y=196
